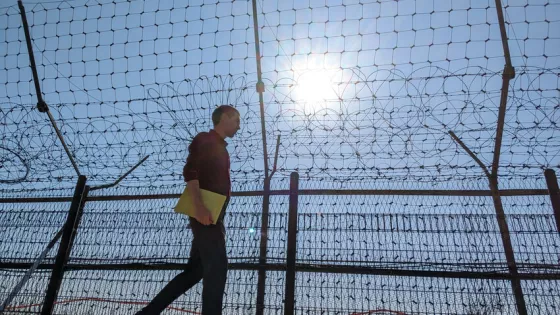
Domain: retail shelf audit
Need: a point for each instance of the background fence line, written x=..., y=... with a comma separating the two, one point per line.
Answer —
x=530, y=272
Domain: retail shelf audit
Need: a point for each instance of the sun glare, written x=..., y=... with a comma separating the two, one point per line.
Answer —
x=314, y=86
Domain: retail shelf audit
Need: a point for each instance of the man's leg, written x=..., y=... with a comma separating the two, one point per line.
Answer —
x=214, y=263
x=179, y=285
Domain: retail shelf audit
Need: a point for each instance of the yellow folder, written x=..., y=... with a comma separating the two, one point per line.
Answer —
x=212, y=201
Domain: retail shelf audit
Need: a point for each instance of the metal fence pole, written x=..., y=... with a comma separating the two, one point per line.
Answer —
x=507, y=75
x=77, y=224
x=261, y=282
x=29, y=272
x=554, y=192
x=266, y=198
x=500, y=217
x=508, y=248
x=289, y=302
x=64, y=247
x=41, y=104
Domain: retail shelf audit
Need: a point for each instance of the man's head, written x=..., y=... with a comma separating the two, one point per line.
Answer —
x=226, y=120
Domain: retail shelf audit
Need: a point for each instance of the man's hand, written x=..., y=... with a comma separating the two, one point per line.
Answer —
x=203, y=215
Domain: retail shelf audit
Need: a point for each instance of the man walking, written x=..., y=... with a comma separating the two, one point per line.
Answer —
x=207, y=168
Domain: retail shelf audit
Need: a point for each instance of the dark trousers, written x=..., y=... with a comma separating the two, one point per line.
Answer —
x=208, y=261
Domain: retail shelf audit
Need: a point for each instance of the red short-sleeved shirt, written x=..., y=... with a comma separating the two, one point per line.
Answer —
x=208, y=162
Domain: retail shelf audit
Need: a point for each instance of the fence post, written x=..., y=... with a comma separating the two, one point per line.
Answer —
x=554, y=192
x=41, y=104
x=64, y=247
x=507, y=75
x=508, y=248
x=261, y=284
x=289, y=302
x=77, y=224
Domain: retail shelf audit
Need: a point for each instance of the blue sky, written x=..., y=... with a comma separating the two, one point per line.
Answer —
x=391, y=75
x=361, y=92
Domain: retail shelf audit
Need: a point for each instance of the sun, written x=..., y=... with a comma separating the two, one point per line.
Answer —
x=314, y=86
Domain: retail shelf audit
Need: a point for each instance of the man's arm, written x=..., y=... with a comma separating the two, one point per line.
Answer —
x=202, y=214
x=190, y=173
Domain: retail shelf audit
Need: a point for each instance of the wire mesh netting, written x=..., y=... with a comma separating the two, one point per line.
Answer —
x=362, y=95
x=127, y=79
